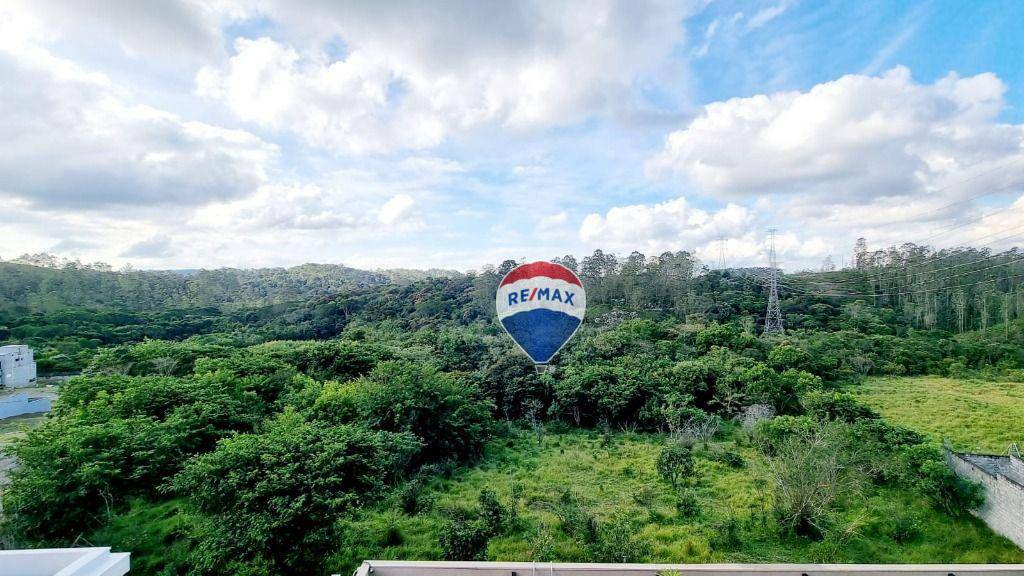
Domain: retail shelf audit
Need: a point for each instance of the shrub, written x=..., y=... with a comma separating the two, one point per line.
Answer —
x=577, y=522
x=413, y=497
x=770, y=434
x=492, y=514
x=726, y=532
x=729, y=458
x=675, y=462
x=923, y=467
x=462, y=538
x=619, y=541
x=644, y=498
x=446, y=412
x=287, y=483
x=812, y=473
x=837, y=406
x=687, y=505
x=901, y=524
x=542, y=546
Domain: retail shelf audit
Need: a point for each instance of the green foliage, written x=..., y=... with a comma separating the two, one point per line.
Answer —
x=446, y=412
x=675, y=463
x=837, y=406
x=287, y=483
x=618, y=540
x=462, y=538
x=197, y=421
x=687, y=505
x=493, y=515
x=413, y=497
x=923, y=467
x=577, y=522
x=115, y=437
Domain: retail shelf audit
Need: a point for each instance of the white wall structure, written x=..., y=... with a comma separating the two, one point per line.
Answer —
x=17, y=366
x=64, y=562
x=399, y=568
x=1003, y=479
x=18, y=404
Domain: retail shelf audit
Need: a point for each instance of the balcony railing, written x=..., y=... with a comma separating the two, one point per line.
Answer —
x=399, y=568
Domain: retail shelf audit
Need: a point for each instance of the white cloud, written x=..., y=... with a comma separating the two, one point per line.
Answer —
x=71, y=138
x=552, y=221
x=171, y=30
x=766, y=15
x=413, y=75
x=399, y=208
x=656, y=228
x=851, y=141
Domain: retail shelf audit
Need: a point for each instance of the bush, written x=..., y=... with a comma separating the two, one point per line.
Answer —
x=413, y=497
x=675, y=462
x=492, y=514
x=289, y=482
x=726, y=532
x=837, y=406
x=900, y=524
x=619, y=541
x=812, y=474
x=542, y=546
x=687, y=505
x=924, y=468
x=729, y=458
x=577, y=522
x=770, y=434
x=446, y=412
x=462, y=538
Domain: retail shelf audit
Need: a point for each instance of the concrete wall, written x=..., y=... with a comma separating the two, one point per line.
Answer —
x=1003, y=509
x=18, y=404
x=64, y=562
x=17, y=366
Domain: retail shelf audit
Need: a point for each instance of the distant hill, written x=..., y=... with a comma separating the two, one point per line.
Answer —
x=29, y=288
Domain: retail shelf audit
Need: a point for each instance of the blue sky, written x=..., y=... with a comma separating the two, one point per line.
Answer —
x=455, y=134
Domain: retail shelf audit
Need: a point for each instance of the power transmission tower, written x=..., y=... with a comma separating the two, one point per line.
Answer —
x=773, y=317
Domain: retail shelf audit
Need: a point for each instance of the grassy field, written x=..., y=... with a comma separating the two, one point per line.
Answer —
x=973, y=415
x=609, y=472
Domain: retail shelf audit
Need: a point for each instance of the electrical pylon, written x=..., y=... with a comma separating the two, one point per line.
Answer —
x=773, y=317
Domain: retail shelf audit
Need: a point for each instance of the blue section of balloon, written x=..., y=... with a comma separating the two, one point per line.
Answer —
x=541, y=332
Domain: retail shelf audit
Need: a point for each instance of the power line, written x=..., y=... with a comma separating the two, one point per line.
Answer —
x=919, y=265
x=773, y=315
x=926, y=290
x=925, y=282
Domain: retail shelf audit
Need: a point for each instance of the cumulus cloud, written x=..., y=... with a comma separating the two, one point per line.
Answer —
x=656, y=228
x=412, y=75
x=852, y=141
x=71, y=138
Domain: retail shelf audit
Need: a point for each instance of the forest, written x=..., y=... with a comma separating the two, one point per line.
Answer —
x=301, y=420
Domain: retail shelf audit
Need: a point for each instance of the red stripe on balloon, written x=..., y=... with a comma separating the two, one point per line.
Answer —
x=547, y=269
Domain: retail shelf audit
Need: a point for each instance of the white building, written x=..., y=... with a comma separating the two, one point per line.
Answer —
x=17, y=366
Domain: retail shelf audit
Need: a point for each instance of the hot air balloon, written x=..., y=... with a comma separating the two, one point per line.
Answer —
x=540, y=305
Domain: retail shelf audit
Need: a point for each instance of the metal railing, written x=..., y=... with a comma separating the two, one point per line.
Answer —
x=407, y=568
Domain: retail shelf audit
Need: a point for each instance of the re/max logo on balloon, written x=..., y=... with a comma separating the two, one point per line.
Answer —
x=540, y=305
x=540, y=294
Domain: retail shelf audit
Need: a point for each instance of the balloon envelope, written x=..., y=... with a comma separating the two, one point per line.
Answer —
x=540, y=305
